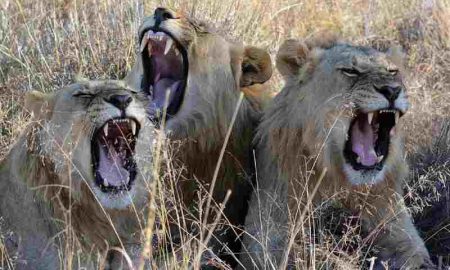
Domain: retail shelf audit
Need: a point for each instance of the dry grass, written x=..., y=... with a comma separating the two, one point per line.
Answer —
x=44, y=44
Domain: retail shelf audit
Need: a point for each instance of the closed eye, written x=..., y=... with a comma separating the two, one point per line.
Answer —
x=82, y=94
x=350, y=72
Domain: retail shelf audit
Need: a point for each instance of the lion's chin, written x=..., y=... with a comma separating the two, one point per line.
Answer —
x=360, y=177
x=116, y=201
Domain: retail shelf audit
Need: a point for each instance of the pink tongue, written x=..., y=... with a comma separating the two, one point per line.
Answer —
x=111, y=167
x=363, y=143
x=159, y=93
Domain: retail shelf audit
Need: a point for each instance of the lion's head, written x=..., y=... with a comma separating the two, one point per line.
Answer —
x=96, y=138
x=350, y=97
x=202, y=73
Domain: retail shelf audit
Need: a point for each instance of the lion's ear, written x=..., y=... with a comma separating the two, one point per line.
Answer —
x=39, y=104
x=256, y=66
x=397, y=56
x=291, y=57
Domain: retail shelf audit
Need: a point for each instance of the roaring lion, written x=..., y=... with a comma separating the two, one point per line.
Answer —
x=332, y=133
x=83, y=165
x=198, y=76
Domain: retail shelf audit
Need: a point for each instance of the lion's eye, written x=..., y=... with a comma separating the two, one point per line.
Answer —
x=81, y=94
x=350, y=72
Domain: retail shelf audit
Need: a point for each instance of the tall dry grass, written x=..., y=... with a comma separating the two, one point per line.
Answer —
x=44, y=44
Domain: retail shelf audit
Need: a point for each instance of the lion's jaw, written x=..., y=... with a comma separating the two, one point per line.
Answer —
x=164, y=54
x=195, y=73
x=103, y=152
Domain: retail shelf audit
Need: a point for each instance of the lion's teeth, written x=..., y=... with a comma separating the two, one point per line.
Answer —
x=105, y=183
x=105, y=130
x=143, y=43
x=116, y=141
x=177, y=52
x=169, y=44
x=370, y=117
x=397, y=116
x=133, y=127
x=380, y=158
x=358, y=159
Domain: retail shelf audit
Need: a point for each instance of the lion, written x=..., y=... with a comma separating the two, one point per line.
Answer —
x=84, y=162
x=333, y=132
x=195, y=78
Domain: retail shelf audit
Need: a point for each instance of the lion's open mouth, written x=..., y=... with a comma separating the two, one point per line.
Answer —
x=165, y=71
x=369, y=136
x=113, y=154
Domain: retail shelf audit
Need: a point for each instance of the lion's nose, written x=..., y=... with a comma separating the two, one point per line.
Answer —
x=162, y=14
x=390, y=92
x=120, y=101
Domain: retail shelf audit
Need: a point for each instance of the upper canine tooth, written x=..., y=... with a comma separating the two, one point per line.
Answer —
x=143, y=43
x=370, y=117
x=358, y=159
x=169, y=44
x=105, y=130
x=133, y=127
x=397, y=116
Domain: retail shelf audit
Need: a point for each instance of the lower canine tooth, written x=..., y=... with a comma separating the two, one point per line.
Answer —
x=397, y=116
x=370, y=117
x=143, y=43
x=105, y=130
x=133, y=127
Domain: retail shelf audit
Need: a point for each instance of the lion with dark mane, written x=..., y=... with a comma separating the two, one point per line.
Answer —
x=332, y=133
x=195, y=78
x=83, y=164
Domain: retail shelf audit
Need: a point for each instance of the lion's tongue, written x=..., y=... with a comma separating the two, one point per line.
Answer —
x=111, y=167
x=363, y=142
x=159, y=94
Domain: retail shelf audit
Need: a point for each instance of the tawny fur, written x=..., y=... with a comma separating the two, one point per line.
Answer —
x=47, y=205
x=218, y=72
x=302, y=135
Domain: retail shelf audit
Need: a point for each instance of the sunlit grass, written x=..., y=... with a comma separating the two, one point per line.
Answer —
x=45, y=44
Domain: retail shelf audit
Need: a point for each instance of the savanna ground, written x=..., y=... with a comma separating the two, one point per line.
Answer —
x=44, y=44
